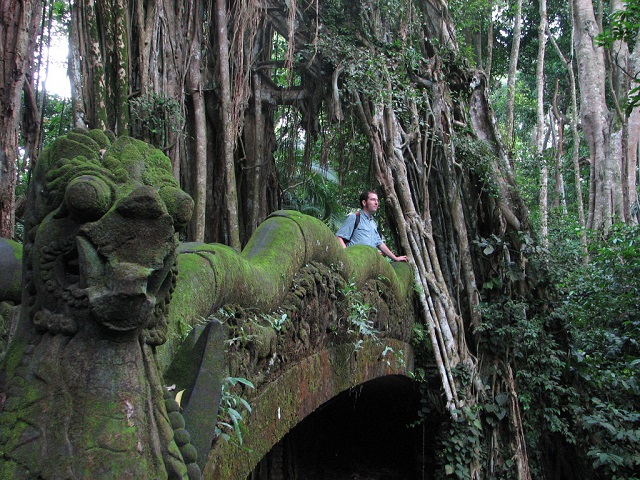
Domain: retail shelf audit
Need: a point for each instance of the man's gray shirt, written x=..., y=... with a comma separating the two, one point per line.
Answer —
x=365, y=234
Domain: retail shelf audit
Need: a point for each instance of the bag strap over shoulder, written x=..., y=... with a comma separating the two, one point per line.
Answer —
x=355, y=225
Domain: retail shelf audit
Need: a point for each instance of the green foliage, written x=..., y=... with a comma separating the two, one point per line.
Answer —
x=471, y=17
x=230, y=419
x=359, y=313
x=315, y=194
x=461, y=447
x=615, y=434
x=496, y=410
x=477, y=157
x=614, y=272
x=278, y=323
x=576, y=364
x=423, y=353
x=524, y=111
x=602, y=303
x=377, y=44
x=540, y=360
x=624, y=25
x=157, y=117
x=57, y=119
x=565, y=236
x=502, y=14
x=393, y=358
x=510, y=272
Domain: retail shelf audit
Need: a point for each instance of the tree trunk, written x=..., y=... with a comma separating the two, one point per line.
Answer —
x=200, y=158
x=513, y=70
x=594, y=115
x=231, y=196
x=622, y=68
x=487, y=67
x=120, y=61
x=576, y=143
x=630, y=175
x=544, y=170
x=194, y=89
x=560, y=120
x=258, y=156
x=91, y=60
x=74, y=68
x=19, y=23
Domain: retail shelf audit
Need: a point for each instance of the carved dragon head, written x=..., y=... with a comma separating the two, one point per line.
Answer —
x=99, y=268
x=102, y=237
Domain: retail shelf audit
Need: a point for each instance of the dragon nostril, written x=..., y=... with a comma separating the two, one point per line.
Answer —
x=143, y=202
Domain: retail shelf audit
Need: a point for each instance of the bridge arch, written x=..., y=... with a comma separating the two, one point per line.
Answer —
x=156, y=361
x=282, y=404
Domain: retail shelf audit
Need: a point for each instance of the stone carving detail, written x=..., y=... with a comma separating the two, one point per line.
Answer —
x=84, y=397
x=81, y=393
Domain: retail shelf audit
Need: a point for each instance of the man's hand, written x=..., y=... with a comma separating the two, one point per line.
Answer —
x=385, y=250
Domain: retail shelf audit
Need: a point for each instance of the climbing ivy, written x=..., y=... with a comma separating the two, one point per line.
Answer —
x=476, y=156
x=461, y=446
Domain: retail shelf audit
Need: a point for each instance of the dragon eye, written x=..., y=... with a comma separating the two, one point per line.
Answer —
x=88, y=197
x=179, y=205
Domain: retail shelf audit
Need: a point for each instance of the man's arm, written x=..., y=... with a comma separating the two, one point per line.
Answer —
x=341, y=240
x=384, y=249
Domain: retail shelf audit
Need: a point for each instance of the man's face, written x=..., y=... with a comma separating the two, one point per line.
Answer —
x=371, y=205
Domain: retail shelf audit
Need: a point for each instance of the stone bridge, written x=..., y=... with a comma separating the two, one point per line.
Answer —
x=294, y=313
x=130, y=353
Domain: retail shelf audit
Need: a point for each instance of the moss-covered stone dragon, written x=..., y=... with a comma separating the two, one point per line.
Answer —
x=84, y=397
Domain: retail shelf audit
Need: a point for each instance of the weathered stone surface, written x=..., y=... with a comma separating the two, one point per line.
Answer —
x=281, y=404
x=213, y=275
x=313, y=355
x=96, y=343
x=11, y=271
x=292, y=266
x=83, y=395
x=10, y=290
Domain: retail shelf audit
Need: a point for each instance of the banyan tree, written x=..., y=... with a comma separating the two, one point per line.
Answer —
x=204, y=82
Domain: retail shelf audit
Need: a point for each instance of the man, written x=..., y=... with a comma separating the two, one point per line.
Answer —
x=361, y=229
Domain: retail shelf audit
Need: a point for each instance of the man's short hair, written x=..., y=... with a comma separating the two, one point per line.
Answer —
x=364, y=196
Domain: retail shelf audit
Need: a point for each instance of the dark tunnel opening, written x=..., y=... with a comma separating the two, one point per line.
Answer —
x=364, y=433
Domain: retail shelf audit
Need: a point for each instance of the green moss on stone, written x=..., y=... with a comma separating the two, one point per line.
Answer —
x=294, y=395
x=17, y=249
x=101, y=138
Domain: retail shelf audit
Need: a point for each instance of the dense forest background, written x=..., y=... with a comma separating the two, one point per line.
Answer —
x=503, y=140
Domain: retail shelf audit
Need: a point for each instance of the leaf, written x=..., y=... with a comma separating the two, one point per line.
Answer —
x=246, y=405
x=234, y=414
x=179, y=397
